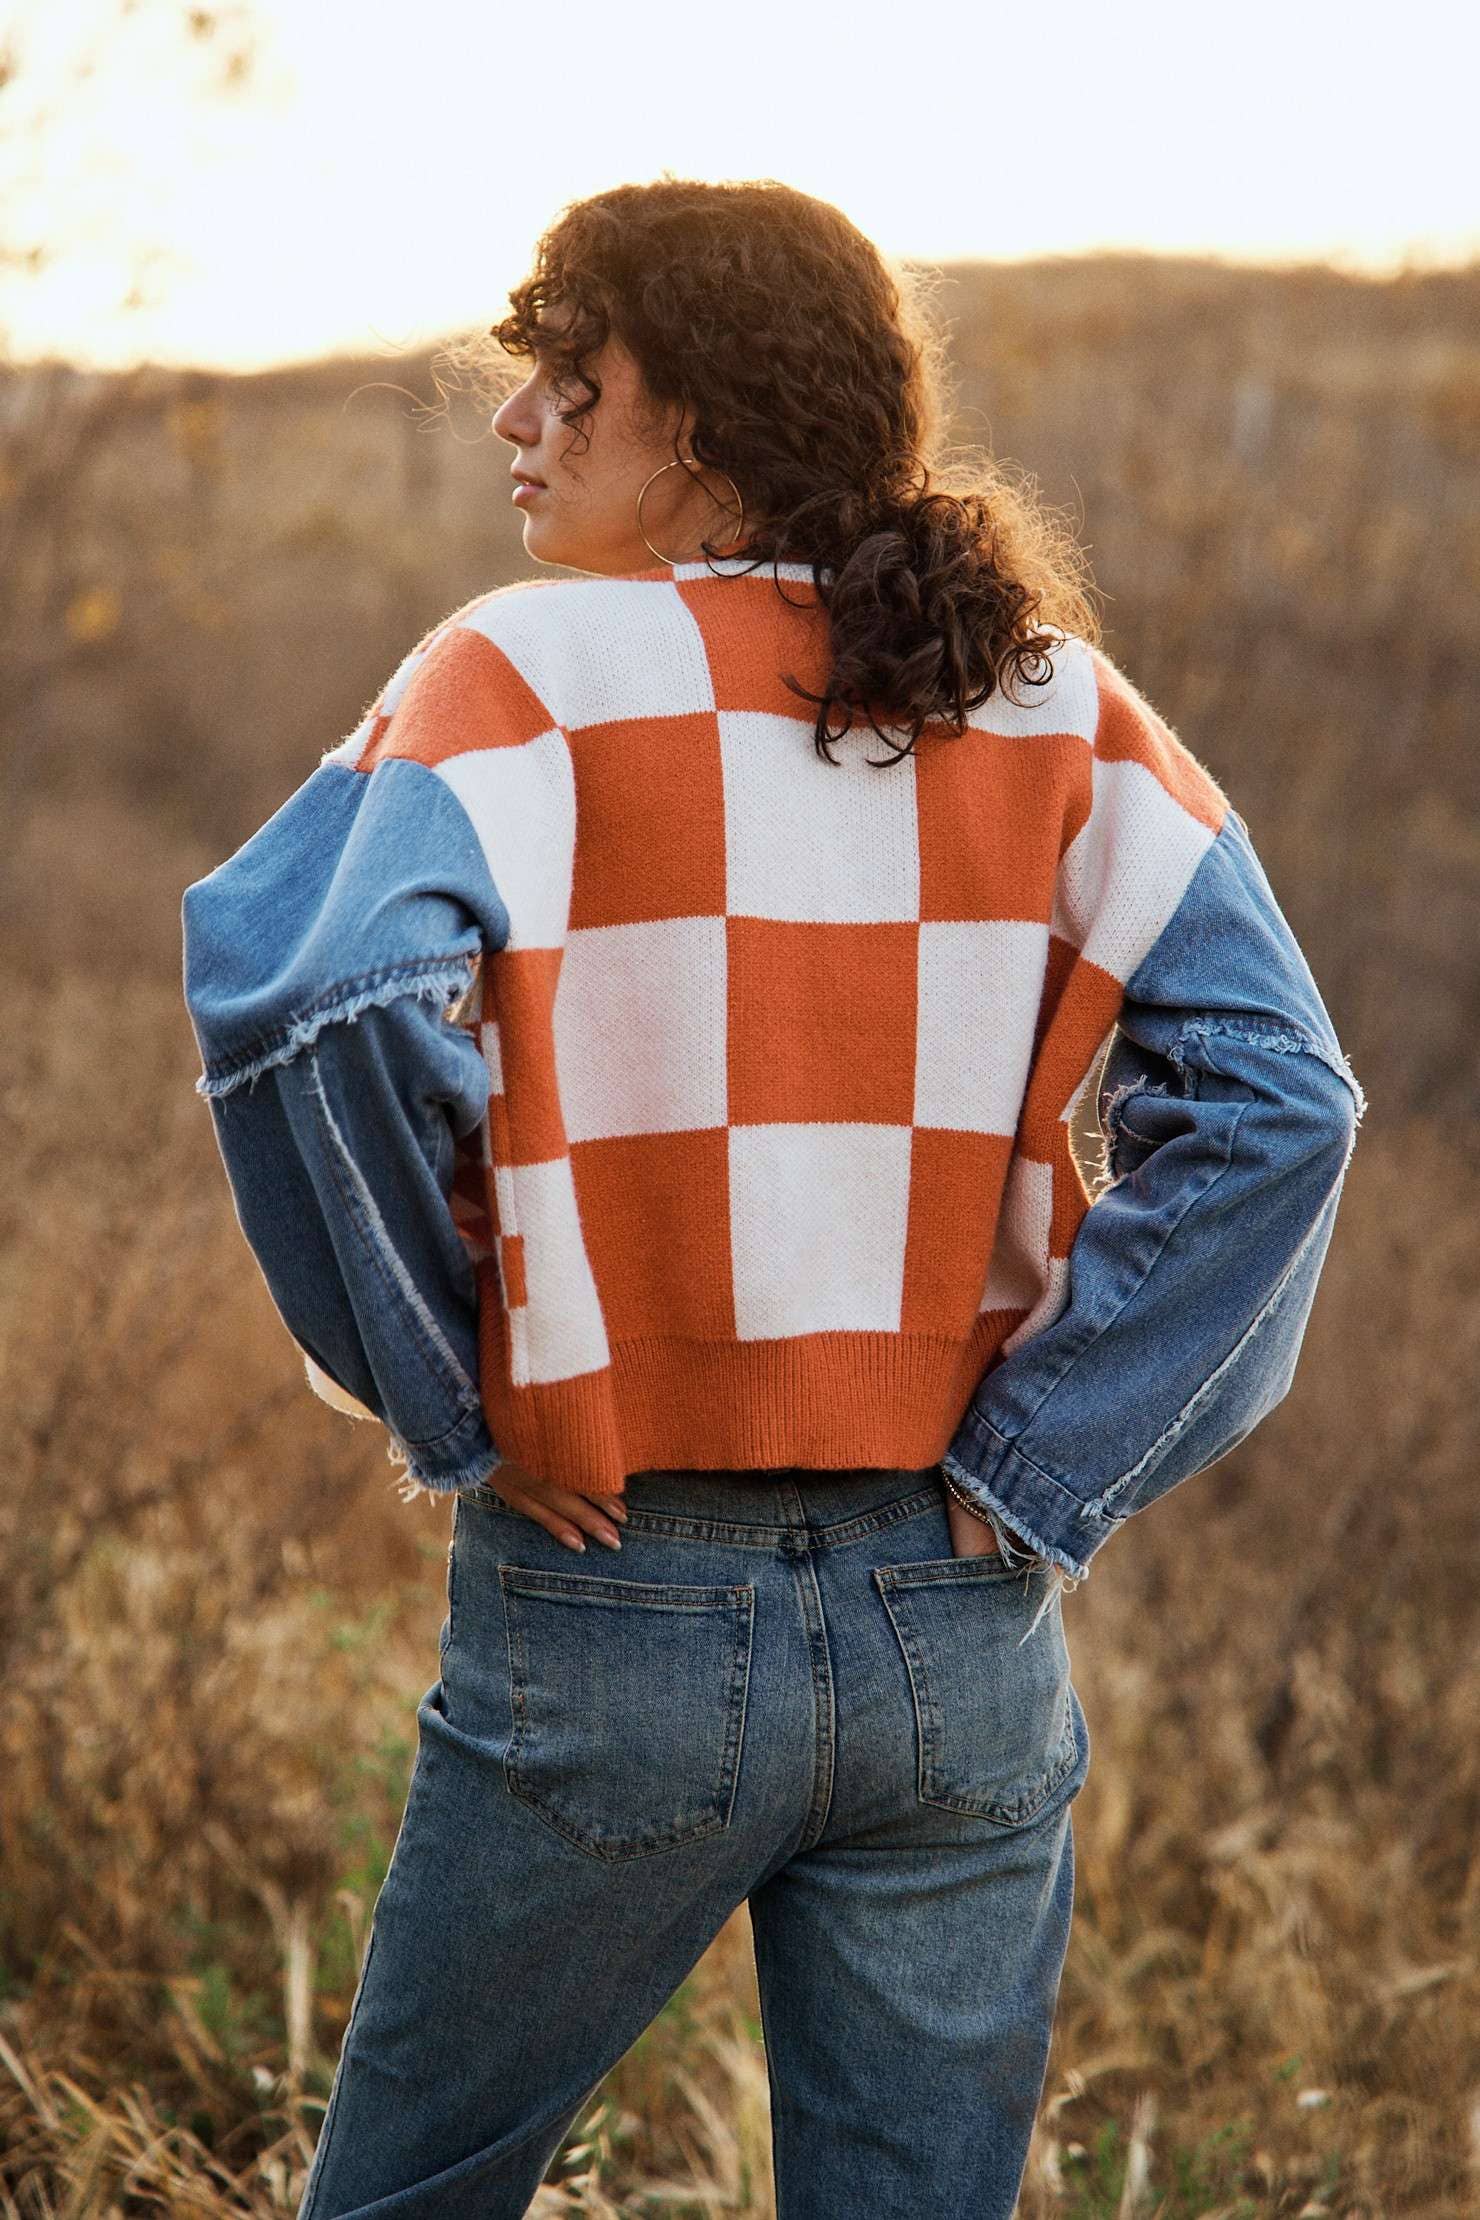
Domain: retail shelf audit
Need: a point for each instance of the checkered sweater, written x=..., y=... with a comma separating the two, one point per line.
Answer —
x=783, y=1053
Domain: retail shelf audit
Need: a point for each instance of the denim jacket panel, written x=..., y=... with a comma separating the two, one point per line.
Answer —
x=318, y=960
x=1230, y=1114
x=340, y=1162
x=360, y=887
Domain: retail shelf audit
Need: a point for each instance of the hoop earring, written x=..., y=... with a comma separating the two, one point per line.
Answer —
x=739, y=529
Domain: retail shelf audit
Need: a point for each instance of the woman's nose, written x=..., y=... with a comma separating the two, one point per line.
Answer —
x=516, y=422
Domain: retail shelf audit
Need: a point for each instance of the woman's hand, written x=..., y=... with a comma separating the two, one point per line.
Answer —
x=562, y=1512
x=970, y=1536
x=565, y=1513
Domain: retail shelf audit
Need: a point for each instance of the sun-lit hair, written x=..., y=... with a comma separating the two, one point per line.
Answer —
x=815, y=374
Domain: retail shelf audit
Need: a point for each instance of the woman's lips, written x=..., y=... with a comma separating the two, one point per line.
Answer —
x=524, y=489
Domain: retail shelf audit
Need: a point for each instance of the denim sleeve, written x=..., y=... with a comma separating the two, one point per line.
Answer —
x=340, y=1161
x=1229, y=1113
x=318, y=963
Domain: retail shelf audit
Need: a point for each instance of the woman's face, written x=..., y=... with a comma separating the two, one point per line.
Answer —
x=583, y=511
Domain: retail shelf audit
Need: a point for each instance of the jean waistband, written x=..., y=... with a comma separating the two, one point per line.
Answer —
x=763, y=1504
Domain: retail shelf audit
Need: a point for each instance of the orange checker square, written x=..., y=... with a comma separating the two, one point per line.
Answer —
x=655, y=1218
x=530, y=1125
x=467, y=1194
x=466, y=695
x=1070, y=1196
x=822, y=1021
x=650, y=820
x=995, y=815
x=1062, y=957
x=1131, y=731
x=752, y=636
x=511, y=1266
x=1086, y=1005
x=956, y=1184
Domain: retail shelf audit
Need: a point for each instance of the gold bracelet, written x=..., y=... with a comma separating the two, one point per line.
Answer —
x=969, y=1503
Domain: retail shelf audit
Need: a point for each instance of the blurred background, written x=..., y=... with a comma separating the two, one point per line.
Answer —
x=1215, y=286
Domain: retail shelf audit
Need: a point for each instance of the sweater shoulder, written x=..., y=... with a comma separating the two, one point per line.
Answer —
x=1054, y=697
x=526, y=609
x=1133, y=740
x=599, y=650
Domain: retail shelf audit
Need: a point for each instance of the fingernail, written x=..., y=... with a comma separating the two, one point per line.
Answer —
x=572, y=1541
x=619, y=1510
x=611, y=1541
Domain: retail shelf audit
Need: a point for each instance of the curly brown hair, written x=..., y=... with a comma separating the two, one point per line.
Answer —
x=815, y=375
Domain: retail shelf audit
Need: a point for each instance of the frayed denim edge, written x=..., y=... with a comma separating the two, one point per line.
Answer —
x=386, y=1256
x=1075, y=1568
x=447, y=974
x=1059, y=1582
x=1281, y=1041
x=1097, y=1504
x=443, y=1484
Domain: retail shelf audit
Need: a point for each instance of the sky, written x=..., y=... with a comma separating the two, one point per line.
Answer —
x=375, y=179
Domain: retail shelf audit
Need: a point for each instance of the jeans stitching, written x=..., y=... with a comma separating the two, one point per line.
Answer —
x=361, y=1210
x=319, y=2162
x=928, y=1726
x=738, y=1599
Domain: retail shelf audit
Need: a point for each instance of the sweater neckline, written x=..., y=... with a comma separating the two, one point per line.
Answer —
x=719, y=566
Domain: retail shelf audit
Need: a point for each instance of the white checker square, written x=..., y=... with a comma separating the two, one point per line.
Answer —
x=1069, y=702
x=641, y=1034
x=405, y=671
x=560, y=1331
x=742, y=566
x=491, y=1041
x=521, y=801
x=1127, y=868
x=387, y=701
x=980, y=986
x=349, y=750
x=1050, y=1304
x=595, y=650
x=845, y=849
x=1019, y=1271
x=1089, y=1077
x=818, y=1218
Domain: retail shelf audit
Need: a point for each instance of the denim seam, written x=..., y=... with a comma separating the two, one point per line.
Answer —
x=1088, y=1507
x=424, y=978
x=1051, y=1480
x=1196, y=1400
x=435, y=1441
x=1111, y=1105
x=1051, y=1552
x=1283, y=1040
x=324, y=2141
x=364, y=1214
x=1102, y=1326
x=470, y=1475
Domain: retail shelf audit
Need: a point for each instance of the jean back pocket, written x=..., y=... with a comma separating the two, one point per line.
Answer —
x=996, y=1717
x=629, y=1705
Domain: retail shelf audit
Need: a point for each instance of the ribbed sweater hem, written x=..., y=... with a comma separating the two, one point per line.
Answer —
x=824, y=1401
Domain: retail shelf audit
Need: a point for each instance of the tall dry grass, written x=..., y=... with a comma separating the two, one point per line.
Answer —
x=216, y=1612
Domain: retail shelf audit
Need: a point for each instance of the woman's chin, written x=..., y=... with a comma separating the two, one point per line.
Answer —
x=546, y=543
x=566, y=550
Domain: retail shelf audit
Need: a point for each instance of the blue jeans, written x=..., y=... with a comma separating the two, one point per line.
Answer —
x=784, y=1689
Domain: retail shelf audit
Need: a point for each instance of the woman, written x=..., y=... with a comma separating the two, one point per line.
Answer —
x=758, y=1251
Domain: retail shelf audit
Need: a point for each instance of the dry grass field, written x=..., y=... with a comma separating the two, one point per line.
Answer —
x=217, y=1612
